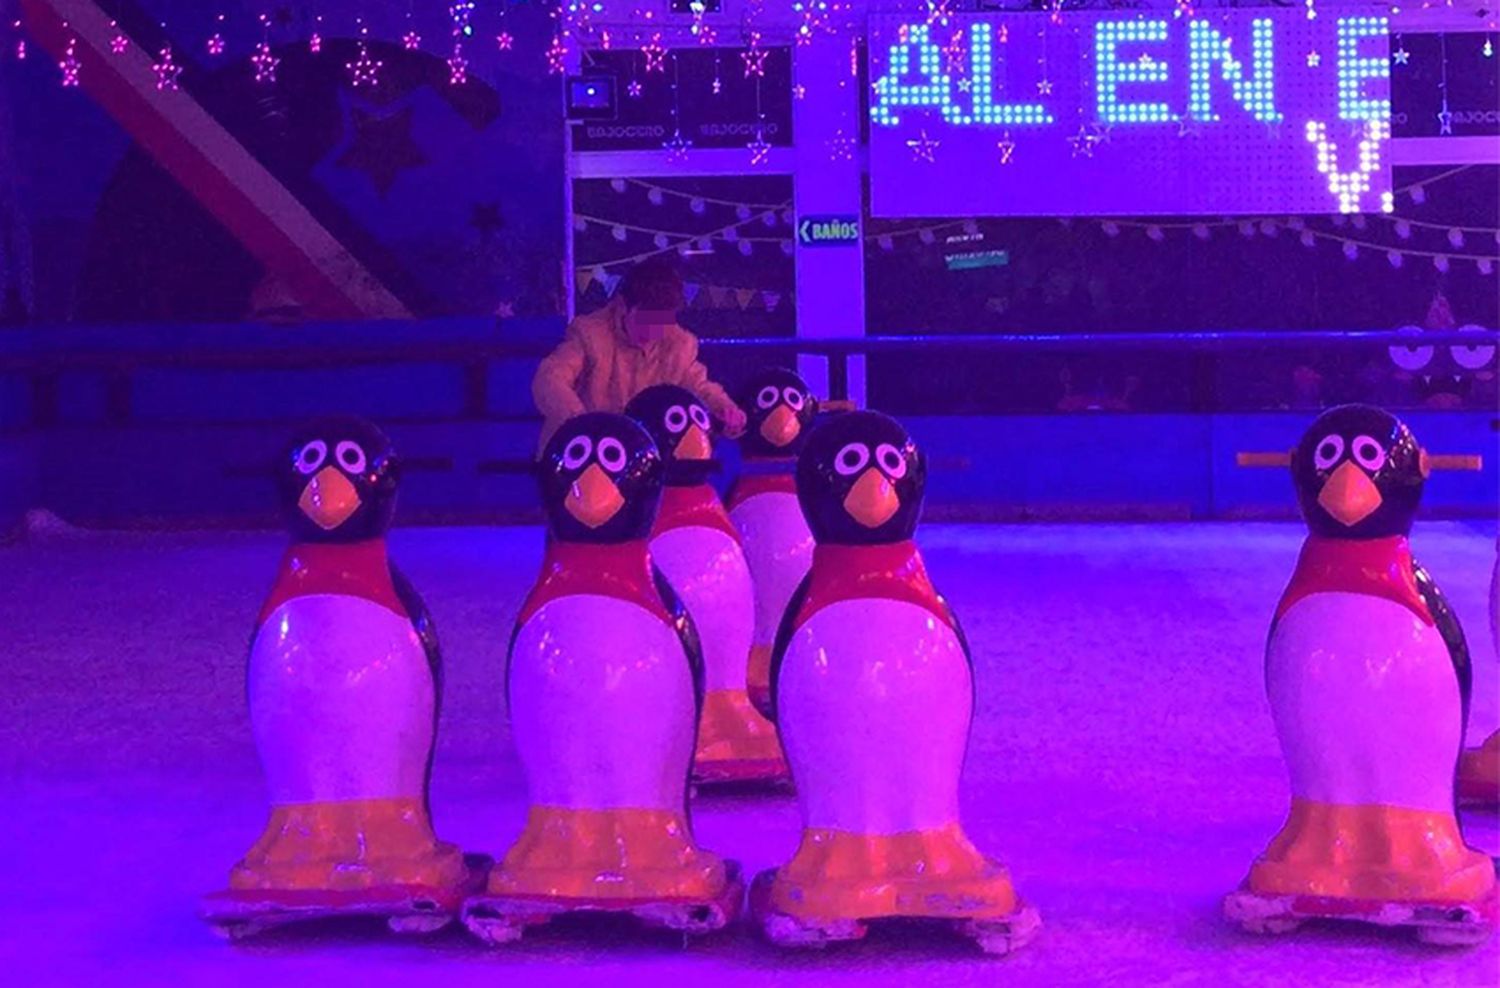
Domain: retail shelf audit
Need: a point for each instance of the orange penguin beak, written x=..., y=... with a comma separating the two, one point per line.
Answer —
x=1349, y=495
x=329, y=499
x=780, y=427
x=594, y=498
x=873, y=500
x=694, y=445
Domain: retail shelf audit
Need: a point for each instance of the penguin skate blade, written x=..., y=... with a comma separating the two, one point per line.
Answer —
x=500, y=919
x=996, y=937
x=1438, y=923
x=238, y=914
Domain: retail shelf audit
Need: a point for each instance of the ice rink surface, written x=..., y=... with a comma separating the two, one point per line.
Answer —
x=1122, y=763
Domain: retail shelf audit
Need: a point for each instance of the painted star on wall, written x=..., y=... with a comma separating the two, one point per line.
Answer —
x=381, y=146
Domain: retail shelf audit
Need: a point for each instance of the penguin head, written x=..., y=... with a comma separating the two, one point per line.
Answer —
x=682, y=429
x=780, y=408
x=600, y=478
x=338, y=481
x=861, y=480
x=1359, y=474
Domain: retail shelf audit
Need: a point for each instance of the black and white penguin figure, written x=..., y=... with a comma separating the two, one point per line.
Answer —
x=1368, y=678
x=604, y=682
x=873, y=692
x=698, y=549
x=345, y=681
x=763, y=506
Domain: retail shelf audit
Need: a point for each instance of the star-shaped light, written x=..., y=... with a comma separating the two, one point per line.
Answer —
x=461, y=11
x=1445, y=121
x=1083, y=143
x=754, y=59
x=315, y=43
x=799, y=92
x=1401, y=56
x=938, y=11
x=1145, y=61
x=557, y=55
x=677, y=147
x=1044, y=88
x=633, y=89
x=216, y=45
x=265, y=63
x=118, y=43
x=505, y=41
x=1007, y=149
x=923, y=148
x=70, y=66
x=759, y=149
x=364, y=70
x=656, y=55
x=458, y=67
x=718, y=86
x=966, y=85
x=411, y=41
x=167, y=71
x=1187, y=125
x=840, y=146
x=1314, y=59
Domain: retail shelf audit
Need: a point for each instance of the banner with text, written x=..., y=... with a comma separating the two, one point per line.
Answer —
x=1240, y=111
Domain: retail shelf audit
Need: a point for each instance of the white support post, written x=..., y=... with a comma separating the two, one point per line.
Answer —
x=830, y=279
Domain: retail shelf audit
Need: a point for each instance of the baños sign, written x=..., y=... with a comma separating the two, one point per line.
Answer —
x=1226, y=111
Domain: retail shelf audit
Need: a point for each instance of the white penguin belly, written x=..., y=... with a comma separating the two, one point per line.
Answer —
x=601, y=706
x=874, y=699
x=778, y=548
x=1366, y=703
x=342, y=700
x=707, y=569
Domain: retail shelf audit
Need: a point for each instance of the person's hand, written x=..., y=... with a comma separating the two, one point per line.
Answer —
x=734, y=422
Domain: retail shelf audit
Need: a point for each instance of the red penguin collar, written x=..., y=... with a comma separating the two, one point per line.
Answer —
x=622, y=571
x=1374, y=567
x=354, y=569
x=853, y=572
x=693, y=507
x=754, y=484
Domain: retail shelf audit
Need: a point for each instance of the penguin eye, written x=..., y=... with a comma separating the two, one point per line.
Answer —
x=612, y=454
x=1472, y=357
x=576, y=453
x=700, y=417
x=891, y=461
x=311, y=456
x=676, y=419
x=1368, y=453
x=1329, y=451
x=351, y=456
x=1411, y=358
x=794, y=399
x=768, y=396
x=851, y=459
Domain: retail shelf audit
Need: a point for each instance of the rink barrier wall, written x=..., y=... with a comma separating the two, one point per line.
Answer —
x=176, y=426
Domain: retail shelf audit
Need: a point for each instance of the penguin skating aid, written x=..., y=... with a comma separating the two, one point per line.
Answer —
x=344, y=684
x=763, y=505
x=873, y=692
x=698, y=549
x=1368, y=677
x=604, y=682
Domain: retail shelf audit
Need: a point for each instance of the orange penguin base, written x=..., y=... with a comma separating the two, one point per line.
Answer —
x=1479, y=774
x=1380, y=853
x=735, y=743
x=617, y=854
x=837, y=875
x=358, y=844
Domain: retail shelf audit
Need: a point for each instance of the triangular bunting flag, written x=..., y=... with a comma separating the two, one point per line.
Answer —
x=744, y=296
x=585, y=279
x=690, y=291
x=610, y=282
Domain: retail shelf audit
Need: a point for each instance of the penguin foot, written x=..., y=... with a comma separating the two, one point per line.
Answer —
x=1371, y=853
x=1479, y=774
x=735, y=743
x=617, y=855
x=349, y=846
x=1436, y=923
